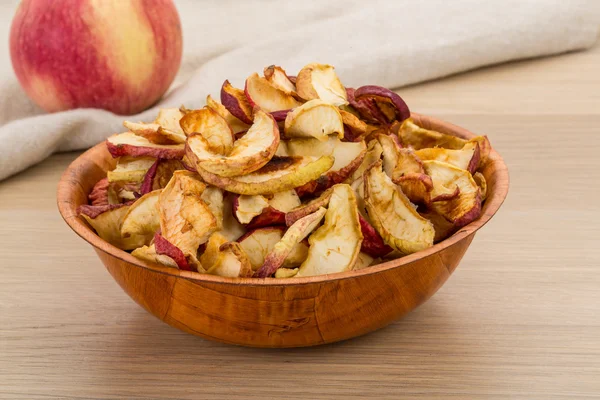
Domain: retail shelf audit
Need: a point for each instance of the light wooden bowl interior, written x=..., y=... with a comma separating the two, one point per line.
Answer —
x=279, y=312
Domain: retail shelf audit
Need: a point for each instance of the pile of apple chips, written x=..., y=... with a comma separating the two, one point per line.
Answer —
x=292, y=176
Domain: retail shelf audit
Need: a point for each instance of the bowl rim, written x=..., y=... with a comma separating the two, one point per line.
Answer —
x=494, y=200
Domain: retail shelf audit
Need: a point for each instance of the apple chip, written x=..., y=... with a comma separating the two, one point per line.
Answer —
x=231, y=262
x=314, y=118
x=130, y=169
x=149, y=254
x=159, y=175
x=258, y=211
x=393, y=215
x=482, y=183
x=319, y=81
x=284, y=273
x=294, y=235
x=389, y=103
x=248, y=154
x=334, y=247
x=347, y=155
x=373, y=154
x=259, y=242
x=419, y=138
x=107, y=220
x=308, y=208
x=277, y=77
x=185, y=220
x=212, y=127
x=235, y=101
x=234, y=123
x=142, y=217
x=99, y=196
x=130, y=144
x=245, y=208
x=279, y=174
x=213, y=197
x=164, y=130
x=363, y=261
x=372, y=243
x=184, y=262
x=465, y=158
x=443, y=228
x=460, y=209
x=232, y=229
x=366, y=108
x=260, y=92
x=211, y=253
x=355, y=129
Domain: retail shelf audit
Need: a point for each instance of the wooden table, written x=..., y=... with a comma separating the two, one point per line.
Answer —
x=520, y=318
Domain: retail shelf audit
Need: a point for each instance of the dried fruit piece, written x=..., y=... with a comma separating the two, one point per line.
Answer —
x=149, y=254
x=319, y=81
x=236, y=102
x=261, y=93
x=314, y=118
x=249, y=153
x=186, y=262
x=366, y=108
x=185, y=220
x=142, y=217
x=334, y=247
x=232, y=229
x=277, y=77
x=279, y=174
x=130, y=169
x=231, y=262
x=461, y=209
x=99, y=194
x=363, y=261
x=211, y=252
x=308, y=208
x=482, y=183
x=373, y=154
x=355, y=129
x=258, y=243
x=107, y=220
x=234, y=123
x=347, y=155
x=245, y=208
x=258, y=211
x=284, y=273
x=294, y=235
x=393, y=215
x=164, y=130
x=372, y=243
x=465, y=158
x=418, y=138
x=389, y=103
x=211, y=126
x=130, y=144
x=159, y=175
x=443, y=228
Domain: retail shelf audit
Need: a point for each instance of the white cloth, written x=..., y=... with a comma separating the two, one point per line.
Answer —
x=390, y=43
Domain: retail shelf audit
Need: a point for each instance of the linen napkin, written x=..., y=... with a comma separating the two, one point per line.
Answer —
x=389, y=43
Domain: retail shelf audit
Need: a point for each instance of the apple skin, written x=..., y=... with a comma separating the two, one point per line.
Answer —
x=117, y=55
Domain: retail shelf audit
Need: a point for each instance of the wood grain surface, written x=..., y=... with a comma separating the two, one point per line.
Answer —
x=519, y=318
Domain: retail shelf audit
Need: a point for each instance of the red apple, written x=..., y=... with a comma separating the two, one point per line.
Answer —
x=117, y=55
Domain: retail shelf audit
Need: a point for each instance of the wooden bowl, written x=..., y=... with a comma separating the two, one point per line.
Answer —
x=274, y=312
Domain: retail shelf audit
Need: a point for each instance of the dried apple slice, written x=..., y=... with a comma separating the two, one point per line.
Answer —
x=366, y=108
x=388, y=102
x=245, y=208
x=285, y=273
x=465, y=158
x=185, y=220
x=261, y=93
x=107, y=220
x=258, y=243
x=482, y=183
x=231, y=262
x=142, y=217
x=314, y=119
x=235, y=101
x=355, y=129
x=130, y=169
x=234, y=123
x=319, y=81
x=149, y=254
x=372, y=243
x=347, y=155
x=279, y=174
x=363, y=261
x=294, y=235
x=130, y=144
x=159, y=175
x=308, y=208
x=443, y=228
x=277, y=77
x=232, y=229
x=212, y=250
x=164, y=130
x=420, y=138
x=373, y=154
x=186, y=262
x=211, y=126
x=461, y=209
x=334, y=247
x=99, y=196
x=248, y=154
x=258, y=211
x=213, y=197
x=393, y=215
